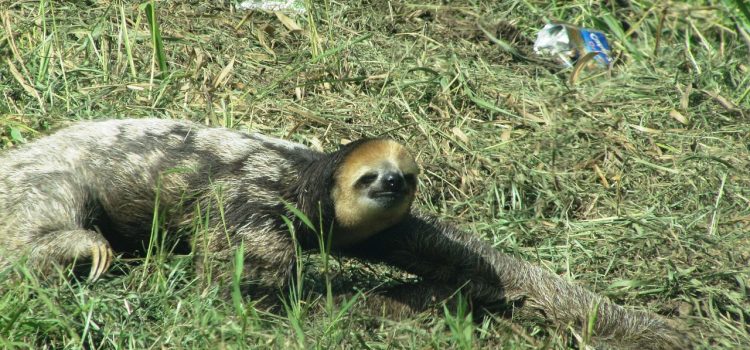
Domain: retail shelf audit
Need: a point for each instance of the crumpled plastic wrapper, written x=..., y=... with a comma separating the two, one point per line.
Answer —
x=568, y=43
x=288, y=6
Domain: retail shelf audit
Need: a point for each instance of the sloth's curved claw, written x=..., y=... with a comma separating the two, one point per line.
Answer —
x=101, y=259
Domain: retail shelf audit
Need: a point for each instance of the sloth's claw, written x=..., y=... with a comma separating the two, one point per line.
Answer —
x=101, y=259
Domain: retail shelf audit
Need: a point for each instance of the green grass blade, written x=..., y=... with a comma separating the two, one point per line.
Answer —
x=616, y=29
x=153, y=24
x=744, y=10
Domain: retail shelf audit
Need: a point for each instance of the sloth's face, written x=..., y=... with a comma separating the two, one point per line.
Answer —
x=374, y=189
x=385, y=186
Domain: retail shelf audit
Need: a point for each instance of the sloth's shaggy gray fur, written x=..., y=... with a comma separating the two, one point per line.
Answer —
x=91, y=191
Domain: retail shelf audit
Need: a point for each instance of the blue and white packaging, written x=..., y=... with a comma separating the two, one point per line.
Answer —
x=568, y=43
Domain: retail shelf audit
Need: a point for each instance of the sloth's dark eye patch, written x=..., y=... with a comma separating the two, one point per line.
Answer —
x=411, y=179
x=367, y=179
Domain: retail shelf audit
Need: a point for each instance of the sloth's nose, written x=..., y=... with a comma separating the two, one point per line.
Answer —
x=393, y=182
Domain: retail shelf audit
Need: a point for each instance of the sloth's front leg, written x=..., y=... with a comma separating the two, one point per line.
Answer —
x=444, y=256
x=66, y=247
x=448, y=257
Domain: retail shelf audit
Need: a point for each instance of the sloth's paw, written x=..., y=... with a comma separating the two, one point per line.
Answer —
x=84, y=249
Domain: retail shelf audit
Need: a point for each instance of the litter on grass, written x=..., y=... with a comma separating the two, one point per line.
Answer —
x=568, y=43
x=288, y=6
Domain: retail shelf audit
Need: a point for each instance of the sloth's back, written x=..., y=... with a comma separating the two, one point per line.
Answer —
x=116, y=169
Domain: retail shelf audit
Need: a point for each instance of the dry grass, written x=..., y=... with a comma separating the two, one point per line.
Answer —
x=635, y=182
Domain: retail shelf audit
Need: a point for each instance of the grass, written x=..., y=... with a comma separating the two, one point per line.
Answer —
x=634, y=182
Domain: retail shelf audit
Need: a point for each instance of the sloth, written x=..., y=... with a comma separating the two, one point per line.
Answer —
x=93, y=190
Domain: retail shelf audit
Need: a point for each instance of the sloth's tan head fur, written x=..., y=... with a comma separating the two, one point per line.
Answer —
x=373, y=189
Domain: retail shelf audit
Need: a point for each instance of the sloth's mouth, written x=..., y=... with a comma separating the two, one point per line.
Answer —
x=387, y=195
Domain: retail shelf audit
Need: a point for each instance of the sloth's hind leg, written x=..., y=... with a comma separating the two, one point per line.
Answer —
x=67, y=247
